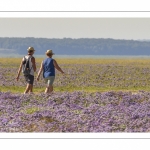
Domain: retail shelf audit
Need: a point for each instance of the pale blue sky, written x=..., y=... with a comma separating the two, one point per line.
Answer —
x=117, y=28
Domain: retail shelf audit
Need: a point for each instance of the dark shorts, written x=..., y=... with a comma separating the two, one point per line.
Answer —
x=29, y=79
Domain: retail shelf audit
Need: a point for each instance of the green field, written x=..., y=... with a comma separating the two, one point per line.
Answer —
x=88, y=75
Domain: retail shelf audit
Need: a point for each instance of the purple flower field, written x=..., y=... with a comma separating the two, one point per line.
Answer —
x=103, y=96
x=75, y=112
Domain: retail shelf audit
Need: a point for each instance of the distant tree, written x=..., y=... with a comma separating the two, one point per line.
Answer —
x=80, y=46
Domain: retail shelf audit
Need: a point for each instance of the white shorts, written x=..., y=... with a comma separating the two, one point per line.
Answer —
x=49, y=80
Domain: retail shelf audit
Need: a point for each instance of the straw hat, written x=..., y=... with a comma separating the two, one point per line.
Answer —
x=49, y=52
x=30, y=49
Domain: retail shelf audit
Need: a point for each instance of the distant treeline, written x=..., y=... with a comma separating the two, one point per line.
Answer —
x=82, y=46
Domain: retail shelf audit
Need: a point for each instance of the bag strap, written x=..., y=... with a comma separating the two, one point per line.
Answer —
x=27, y=59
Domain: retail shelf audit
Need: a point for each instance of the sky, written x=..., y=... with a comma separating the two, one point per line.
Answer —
x=116, y=28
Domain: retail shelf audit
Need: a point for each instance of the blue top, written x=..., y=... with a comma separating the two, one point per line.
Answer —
x=48, y=68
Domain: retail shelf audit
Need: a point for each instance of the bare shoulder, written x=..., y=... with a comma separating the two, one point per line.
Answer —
x=23, y=60
x=33, y=58
x=54, y=61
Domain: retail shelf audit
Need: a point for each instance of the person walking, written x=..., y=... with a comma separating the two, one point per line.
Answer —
x=28, y=67
x=48, y=67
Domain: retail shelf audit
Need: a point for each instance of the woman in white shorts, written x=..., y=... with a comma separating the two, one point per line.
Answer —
x=48, y=67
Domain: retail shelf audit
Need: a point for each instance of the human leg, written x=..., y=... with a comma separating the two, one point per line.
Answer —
x=50, y=89
x=47, y=90
x=29, y=88
x=49, y=81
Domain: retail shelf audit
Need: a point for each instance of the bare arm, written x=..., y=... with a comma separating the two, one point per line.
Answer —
x=19, y=70
x=57, y=67
x=33, y=63
x=39, y=73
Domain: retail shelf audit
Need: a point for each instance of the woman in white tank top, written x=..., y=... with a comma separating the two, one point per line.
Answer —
x=29, y=78
x=30, y=64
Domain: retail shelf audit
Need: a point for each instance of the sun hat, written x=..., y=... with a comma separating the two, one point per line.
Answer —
x=49, y=52
x=30, y=49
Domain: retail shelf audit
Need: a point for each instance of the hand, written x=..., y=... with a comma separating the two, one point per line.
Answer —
x=37, y=78
x=17, y=78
